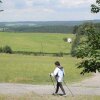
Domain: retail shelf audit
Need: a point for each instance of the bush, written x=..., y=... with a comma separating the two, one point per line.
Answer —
x=0, y=49
x=75, y=45
x=65, y=39
x=7, y=49
x=58, y=54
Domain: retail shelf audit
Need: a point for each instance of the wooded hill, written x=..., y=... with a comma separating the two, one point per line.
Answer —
x=42, y=26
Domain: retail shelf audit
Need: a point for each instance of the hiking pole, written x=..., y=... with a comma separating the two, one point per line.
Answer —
x=68, y=88
x=52, y=81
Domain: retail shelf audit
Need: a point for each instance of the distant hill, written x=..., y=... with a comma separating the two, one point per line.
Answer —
x=48, y=23
x=42, y=26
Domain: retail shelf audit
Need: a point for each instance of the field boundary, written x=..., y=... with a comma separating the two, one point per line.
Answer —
x=59, y=54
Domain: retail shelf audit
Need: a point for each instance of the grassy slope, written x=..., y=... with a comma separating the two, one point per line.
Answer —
x=35, y=69
x=36, y=42
x=24, y=69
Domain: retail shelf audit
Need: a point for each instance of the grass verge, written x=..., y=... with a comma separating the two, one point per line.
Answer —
x=47, y=97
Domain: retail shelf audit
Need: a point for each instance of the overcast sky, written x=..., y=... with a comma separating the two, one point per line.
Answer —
x=47, y=10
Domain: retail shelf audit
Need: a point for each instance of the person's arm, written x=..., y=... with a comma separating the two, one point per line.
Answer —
x=55, y=72
x=63, y=72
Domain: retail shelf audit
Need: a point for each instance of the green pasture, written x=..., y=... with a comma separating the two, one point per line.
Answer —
x=36, y=42
x=36, y=69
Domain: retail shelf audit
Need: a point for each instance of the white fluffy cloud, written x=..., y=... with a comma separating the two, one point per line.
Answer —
x=45, y=3
x=35, y=2
x=75, y=3
x=47, y=10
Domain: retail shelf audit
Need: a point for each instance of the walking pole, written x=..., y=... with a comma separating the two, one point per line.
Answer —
x=68, y=89
x=52, y=81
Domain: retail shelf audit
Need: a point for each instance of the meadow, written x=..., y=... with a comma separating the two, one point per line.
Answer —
x=36, y=42
x=15, y=68
x=18, y=68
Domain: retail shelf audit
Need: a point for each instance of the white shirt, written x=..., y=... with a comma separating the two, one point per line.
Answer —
x=58, y=73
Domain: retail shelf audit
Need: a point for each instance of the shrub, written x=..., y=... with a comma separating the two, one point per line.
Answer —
x=0, y=49
x=7, y=49
x=65, y=39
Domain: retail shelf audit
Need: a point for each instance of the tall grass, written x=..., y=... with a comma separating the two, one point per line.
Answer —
x=35, y=69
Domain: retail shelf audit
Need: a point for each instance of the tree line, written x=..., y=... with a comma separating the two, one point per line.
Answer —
x=42, y=29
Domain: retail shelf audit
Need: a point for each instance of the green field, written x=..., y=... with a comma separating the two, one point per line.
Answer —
x=36, y=69
x=36, y=42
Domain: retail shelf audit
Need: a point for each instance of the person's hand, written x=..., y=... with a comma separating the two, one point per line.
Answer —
x=49, y=74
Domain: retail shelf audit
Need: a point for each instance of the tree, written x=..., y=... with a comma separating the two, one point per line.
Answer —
x=87, y=44
x=87, y=47
x=0, y=9
x=7, y=49
x=95, y=8
x=80, y=32
x=75, y=29
x=89, y=51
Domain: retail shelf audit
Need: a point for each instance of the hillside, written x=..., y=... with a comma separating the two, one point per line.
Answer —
x=47, y=23
x=42, y=26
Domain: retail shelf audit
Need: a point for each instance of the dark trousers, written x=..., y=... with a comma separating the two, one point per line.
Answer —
x=59, y=84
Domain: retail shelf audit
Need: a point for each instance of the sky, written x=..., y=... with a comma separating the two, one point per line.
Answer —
x=47, y=10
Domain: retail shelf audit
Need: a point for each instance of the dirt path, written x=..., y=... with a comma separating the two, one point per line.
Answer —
x=89, y=86
x=91, y=82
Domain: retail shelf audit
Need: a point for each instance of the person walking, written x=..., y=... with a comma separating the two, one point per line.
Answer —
x=59, y=75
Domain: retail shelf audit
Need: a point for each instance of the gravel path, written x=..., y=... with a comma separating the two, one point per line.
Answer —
x=89, y=86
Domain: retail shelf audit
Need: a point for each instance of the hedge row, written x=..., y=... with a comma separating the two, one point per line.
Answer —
x=7, y=49
x=60, y=54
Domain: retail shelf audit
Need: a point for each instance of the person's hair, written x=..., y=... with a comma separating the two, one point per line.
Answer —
x=57, y=63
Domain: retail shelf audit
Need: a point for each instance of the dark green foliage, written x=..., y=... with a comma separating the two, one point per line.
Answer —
x=97, y=26
x=41, y=29
x=0, y=49
x=79, y=33
x=89, y=66
x=0, y=3
x=95, y=8
x=75, y=29
x=82, y=31
x=88, y=48
x=74, y=45
x=7, y=49
x=61, y=54
x=65, y=39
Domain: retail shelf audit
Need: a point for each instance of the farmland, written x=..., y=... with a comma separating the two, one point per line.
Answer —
x=26, y=69
x=17, y=68
x=36, y=42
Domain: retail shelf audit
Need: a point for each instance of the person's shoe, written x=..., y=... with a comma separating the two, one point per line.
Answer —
x=64, y=95
x=54, y=93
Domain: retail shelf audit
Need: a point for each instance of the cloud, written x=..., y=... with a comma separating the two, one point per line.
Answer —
x=75, y=3
x=54, y=4
x=8, y=4
x=16, y=10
